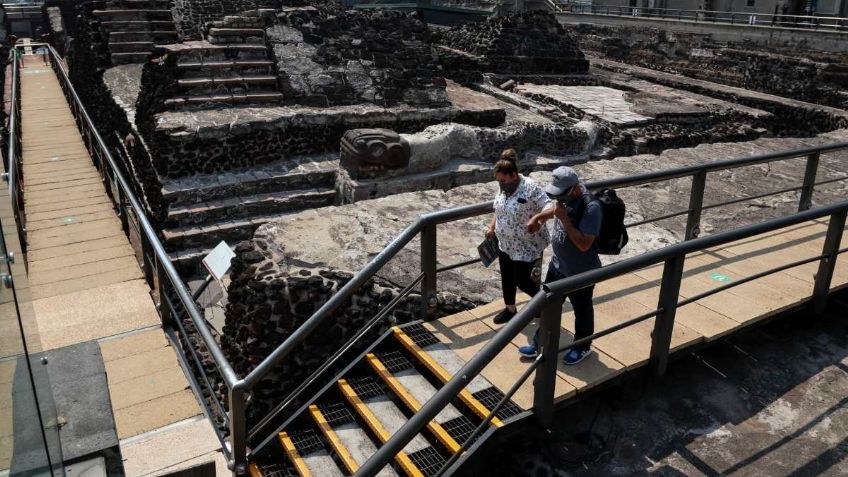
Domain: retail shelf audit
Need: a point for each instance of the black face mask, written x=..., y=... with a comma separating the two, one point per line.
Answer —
x=509, y=188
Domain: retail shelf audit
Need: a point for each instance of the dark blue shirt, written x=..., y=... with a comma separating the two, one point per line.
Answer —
x=568, y=259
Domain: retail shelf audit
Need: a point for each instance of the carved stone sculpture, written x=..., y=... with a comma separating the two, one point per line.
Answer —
x=373, y=153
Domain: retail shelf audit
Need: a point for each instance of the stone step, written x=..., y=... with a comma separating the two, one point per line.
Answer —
x=234, y=98
x=265, y=80
x=304, y=172
x=130, y=46
x=130, y=57
x=128, y=15
x=137, y=4
x=156, y=36
x=224, y=69
x=228, y=84
x=208, y=52
x=138, y=25
x=215, y=211
x=224, y=32
x=206, y=235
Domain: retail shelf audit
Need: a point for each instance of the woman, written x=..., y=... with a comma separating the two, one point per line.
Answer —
x=518, y=200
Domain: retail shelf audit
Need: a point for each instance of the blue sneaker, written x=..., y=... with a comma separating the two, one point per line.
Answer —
x=575, y=356
x=528, y=351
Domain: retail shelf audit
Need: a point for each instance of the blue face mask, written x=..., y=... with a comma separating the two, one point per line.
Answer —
x=509, y=188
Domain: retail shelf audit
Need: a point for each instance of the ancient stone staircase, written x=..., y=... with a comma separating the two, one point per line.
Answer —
x=134, y=27
x=232, y=66
x=205, y=209
x=337, y=432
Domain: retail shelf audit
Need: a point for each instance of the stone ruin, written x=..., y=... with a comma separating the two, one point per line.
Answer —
x=793, y=71
x=228, y=116
x=270, y=296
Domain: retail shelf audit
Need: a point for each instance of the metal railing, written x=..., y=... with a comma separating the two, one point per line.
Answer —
x=777, y=20
x=14, y=172
x=175, y=299
x=549, y=302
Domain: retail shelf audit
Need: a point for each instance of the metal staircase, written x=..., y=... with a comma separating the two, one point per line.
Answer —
x=346, y=422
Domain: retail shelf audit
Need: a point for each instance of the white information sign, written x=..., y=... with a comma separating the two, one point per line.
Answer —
x=218, y=260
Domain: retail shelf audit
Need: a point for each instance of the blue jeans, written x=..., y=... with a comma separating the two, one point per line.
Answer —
x=584, y=310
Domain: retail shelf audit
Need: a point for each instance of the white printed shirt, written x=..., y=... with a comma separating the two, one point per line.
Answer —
x=511, y=216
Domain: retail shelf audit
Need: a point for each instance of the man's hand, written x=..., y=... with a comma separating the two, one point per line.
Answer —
x=561, y=212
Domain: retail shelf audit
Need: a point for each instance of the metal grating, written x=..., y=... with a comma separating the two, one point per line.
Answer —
x=420, y=335
x=276, y=470
x=428, y=460
x=306, y=441
x=490, y=397
x=336, y=414
x=460, y=429
x=367, y=387
x=394, y=361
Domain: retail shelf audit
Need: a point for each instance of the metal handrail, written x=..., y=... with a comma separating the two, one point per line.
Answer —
x=459, y=213
x=548, y=302
x=155, y=257
x=153, y=253
x=777, y=20
x=14, y=171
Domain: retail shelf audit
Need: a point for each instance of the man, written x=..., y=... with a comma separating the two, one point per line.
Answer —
x=577, y=224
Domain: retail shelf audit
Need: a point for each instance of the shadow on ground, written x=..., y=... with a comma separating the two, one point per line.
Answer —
x=770, y=402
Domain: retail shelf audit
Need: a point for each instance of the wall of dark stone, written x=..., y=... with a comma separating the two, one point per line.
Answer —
x=525, y=43
x=804, y=75
x=333, y=57
x=191, y=15
x=268, y=299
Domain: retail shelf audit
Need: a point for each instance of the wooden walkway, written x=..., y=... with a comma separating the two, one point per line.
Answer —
x=86, y=284
x=631, y=295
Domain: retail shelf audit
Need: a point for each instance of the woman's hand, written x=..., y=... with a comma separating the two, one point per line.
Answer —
x=534, y=224
x=490, y=232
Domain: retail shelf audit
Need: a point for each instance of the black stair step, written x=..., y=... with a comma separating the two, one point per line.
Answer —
x=272, y=470
x=428, y=461
x=228, y=81
x=490, y=397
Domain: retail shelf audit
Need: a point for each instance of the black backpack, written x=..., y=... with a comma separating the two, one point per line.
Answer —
x=613, y=236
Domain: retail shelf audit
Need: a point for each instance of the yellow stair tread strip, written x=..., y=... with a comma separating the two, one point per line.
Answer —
x=401, y=457
x=254, y=470
x=293, y=455
x=412, y=403
x=443, y=375
x=334, y=440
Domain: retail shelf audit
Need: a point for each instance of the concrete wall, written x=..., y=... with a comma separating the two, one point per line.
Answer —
x=829, y=41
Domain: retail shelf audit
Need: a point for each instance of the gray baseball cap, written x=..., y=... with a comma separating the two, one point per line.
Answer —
x=564, y=178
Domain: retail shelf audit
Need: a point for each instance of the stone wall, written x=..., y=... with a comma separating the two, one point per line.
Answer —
x=532, y=42
x=327, y=57
x=799, y=74
x=191, y=15
x=269, y=298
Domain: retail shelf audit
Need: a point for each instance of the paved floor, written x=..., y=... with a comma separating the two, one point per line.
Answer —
x=628, y=296
x=86, y=284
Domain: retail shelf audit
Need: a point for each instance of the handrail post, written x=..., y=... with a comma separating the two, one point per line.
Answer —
x=238, y=429
x=696, y=204
x=428, y=268
x=667, y=306
x=821, y=288
x=806, y=200
x=147, y=256
x=544, y=383
x=165, y=311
